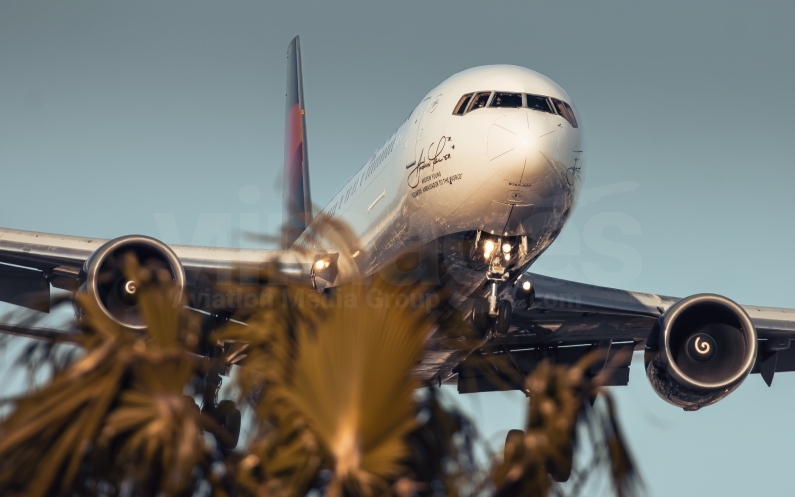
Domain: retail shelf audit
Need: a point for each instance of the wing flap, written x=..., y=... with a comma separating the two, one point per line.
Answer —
x=39, y=333
x=24, y=287
x=500, y=367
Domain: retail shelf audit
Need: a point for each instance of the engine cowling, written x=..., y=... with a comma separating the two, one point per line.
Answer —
x=105, y=283
x=700, y=350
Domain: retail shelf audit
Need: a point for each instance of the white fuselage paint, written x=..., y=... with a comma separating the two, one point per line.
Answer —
x=504, y=171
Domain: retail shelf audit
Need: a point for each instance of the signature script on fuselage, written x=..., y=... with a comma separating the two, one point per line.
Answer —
x=435, y=156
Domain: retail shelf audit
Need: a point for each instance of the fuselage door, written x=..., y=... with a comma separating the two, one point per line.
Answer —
x=426, y=121
x=426, y=129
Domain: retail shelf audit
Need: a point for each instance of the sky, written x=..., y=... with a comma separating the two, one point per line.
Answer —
x=167, y=119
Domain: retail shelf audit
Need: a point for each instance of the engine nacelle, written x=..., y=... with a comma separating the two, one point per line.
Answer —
x=700, y=350
x=105, y=283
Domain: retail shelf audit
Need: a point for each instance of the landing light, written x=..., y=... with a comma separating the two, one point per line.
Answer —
x=488, y=248
x=506, y=247
x=321, y=264
x=507, y=257
x=526, y=286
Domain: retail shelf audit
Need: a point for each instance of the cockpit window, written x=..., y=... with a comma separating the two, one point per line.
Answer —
x=472, y=101
x=480, y=100
x=565, y=111
x=537, y=102
x=461, y=106
x=506, y=100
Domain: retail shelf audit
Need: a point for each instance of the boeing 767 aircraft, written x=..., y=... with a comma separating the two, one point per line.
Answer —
x=483, y=174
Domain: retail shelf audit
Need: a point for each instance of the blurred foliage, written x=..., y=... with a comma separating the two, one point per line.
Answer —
x=336, y=409
x=561, y=404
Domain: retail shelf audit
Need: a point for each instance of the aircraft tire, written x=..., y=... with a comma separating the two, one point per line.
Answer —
x=229, y=419
x=480, y=316
x=504, y=311
x=513, y=440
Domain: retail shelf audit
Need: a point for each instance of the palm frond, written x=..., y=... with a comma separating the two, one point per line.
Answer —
x=561, y=401
x=116, y=413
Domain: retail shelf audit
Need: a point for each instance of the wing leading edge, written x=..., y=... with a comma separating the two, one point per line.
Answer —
x=31, y=261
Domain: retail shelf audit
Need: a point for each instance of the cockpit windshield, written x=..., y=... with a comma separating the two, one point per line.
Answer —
x=565, y=111
x=502, y=99
x=480, y=100
x=473, y=101
x=461, y=106
x=537, y=102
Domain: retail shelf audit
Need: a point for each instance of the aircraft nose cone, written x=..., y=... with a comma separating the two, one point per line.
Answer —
x=519, y=147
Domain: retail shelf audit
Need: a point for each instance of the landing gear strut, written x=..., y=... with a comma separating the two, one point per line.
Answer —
x=225, y=413
x=501, y=254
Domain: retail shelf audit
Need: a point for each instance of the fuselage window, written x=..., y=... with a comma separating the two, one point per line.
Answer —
x=506, y=100
x=565, y=111
x=461, y=107
x=480, y=100
x=537, y=102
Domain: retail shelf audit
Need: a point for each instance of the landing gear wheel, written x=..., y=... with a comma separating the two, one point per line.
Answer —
x=228, y=416
x=504, y=311
x=513, y=442
x=480, y=316
x=560, y=467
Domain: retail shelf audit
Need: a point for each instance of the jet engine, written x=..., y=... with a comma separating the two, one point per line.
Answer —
x=700, y=350
x=107, y=286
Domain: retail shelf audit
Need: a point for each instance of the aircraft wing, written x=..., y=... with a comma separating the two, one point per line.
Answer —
x=564, y=320
x=585, y=311
x=30, y=262
x=581, y=312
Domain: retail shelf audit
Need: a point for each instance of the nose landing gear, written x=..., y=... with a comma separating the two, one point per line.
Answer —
x=501, y=254
x=504, y=311
x=488, y=312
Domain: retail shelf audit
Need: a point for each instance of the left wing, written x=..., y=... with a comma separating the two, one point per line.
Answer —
x=563, y=320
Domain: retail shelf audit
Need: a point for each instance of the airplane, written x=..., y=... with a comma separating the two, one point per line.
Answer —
x=483, y=175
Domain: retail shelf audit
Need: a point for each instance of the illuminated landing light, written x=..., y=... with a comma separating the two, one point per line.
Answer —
x=526, y=286
x=321, y=264
x=506, y=247
x=507, y=257
x=488, y=248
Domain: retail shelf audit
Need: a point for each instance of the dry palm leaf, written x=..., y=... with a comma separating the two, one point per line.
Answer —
x=338, y=391
x=117, y=414
x=561, y=400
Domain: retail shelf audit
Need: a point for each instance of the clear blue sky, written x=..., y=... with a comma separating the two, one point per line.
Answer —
x=151, y=117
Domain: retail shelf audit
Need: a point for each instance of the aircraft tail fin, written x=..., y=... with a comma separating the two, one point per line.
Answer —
x=297, y=206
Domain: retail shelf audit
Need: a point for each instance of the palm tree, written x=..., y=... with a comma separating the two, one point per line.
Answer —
x=336, y=407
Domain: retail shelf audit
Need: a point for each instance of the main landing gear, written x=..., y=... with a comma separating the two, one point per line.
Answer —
x=225, y=413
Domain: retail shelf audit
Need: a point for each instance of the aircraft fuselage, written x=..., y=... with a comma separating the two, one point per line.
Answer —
x=457, y=167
